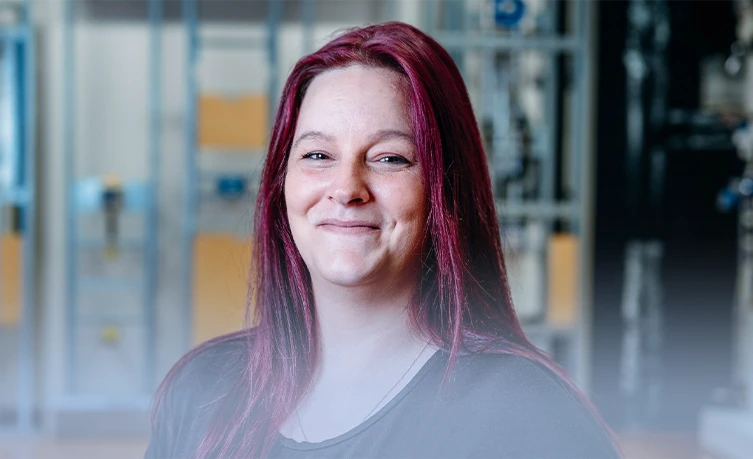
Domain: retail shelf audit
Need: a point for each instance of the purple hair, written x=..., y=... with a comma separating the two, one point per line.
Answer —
x=463, y=303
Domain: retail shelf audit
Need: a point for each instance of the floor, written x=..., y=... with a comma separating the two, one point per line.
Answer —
x=662, y=446
x=71, y=449
x=636, y=446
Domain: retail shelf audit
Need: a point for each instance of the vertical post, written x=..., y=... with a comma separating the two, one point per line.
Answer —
x=551, y=85
x=410, y=11
x=308, y=13
x=577, y=118
x=743, y=309
x=389, y=12
x=430, y=16
x=71, y=213
x=585, y=186
x=191, y=20
x=455, y=18
x=26, y=346
x=11, y=121
x=273, y=26
x=546, y=157
x=6, y=127
x=151, y=257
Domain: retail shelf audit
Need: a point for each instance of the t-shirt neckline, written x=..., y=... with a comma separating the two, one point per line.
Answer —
x=307, y=446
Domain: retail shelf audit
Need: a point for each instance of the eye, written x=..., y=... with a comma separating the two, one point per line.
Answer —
x=315, y=155
x=393, y=159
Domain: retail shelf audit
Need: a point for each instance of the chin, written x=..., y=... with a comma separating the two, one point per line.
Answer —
x=346, y=276
x=347, y=271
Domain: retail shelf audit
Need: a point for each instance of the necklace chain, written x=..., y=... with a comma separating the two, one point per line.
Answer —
x=298, y=417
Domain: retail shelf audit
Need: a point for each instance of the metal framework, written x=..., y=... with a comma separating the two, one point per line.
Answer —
x=141, y=198
x=17, y=153
x=641, y=362
x=463, y=39
x=573, y=212
x=194, y=175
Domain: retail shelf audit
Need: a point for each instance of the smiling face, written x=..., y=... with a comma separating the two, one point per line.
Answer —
x=353, y=189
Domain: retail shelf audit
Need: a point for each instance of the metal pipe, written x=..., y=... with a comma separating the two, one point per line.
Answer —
x=536, y=210
x=151, y=257
x=308, y=16
x=6, y=129
x=273, y=20
x=586, y=197
x=191, y=18
x=5, y=118
x=230, y=42
x=551, y=85
x=453, y=41
x=26, y=344
x=430, y=17
x=69, y=134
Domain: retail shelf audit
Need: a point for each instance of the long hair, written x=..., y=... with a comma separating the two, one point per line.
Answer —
x=463, y=302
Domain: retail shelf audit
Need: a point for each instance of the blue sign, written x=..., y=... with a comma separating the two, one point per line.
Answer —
x=508, y=13
x=232, y=187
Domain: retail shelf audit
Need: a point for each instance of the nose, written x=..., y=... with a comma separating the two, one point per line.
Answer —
x=350, y=186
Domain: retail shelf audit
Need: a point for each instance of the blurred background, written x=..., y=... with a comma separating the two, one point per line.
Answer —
x=619, y=141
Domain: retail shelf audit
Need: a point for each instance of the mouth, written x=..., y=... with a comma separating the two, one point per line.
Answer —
x=348, y=226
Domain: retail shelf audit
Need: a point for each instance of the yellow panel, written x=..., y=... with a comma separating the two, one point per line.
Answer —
x=221, y=266
x=10, y=279
x=563, y=280
x=239, y=122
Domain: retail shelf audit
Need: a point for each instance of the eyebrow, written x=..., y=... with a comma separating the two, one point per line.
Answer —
x=316, y=135
x=382, y=134
x=385, y=134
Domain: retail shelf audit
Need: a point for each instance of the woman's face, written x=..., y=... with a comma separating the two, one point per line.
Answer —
x=353, y=189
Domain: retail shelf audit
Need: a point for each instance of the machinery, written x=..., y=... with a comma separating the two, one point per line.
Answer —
x=641, y=382
x=726, y=428
x=527, y=67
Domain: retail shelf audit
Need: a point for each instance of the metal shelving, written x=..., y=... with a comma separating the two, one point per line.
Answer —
x=467, y=29
x=201, y=180
x=566, y=95
x=86, y=196
x=17, y=190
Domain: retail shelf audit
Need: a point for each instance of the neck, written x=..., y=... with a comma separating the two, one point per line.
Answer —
x=359, y=326
x=369, y=352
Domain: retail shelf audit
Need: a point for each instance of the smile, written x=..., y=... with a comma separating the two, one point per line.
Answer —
x=351, y=227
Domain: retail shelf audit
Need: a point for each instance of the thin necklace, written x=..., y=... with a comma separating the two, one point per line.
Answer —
x=298, y=417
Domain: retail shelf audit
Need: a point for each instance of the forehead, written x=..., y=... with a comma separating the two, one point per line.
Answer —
x=355, y=99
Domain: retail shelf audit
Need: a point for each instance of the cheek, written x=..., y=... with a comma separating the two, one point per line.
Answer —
x=419, y=210
x=407, y=202
x=298, y=193
x=290, y=201
x=414, y=196
x=295, y=208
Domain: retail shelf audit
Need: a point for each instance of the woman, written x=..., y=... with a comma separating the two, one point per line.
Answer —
x=385, y=326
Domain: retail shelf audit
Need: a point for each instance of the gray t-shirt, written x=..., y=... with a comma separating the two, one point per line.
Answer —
x=491, y=406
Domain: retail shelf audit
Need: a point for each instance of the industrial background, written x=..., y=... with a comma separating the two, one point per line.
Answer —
x=619, y=138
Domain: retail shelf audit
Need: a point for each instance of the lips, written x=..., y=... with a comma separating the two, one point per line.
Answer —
x=349, y=227
x=349, y=223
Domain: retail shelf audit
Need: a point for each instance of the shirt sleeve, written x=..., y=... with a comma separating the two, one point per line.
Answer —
x=170, y=424
x=159, y=444
x=183, y=413
x=550, y=421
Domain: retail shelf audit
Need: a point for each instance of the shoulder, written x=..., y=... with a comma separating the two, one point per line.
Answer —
x=186, y=399
x=518, y=374
x=497, y=374
x=211, y=365
x=535, y=411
